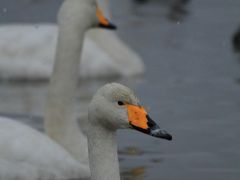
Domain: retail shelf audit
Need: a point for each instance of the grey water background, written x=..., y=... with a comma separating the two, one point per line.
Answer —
x=191, y=86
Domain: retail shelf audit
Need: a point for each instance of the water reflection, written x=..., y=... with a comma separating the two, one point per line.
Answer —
x=131, y=151
x=156, y=160
x=136, y=173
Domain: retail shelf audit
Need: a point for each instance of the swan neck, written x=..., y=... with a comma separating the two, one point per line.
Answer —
x=60, y=122
x=103, y=157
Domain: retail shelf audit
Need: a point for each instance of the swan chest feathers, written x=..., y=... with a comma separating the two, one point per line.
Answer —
x=27, y=154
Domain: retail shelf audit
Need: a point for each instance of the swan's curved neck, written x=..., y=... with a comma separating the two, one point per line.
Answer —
x=60, y=122
x=103, y=157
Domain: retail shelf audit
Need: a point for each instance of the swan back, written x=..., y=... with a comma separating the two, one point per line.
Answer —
x=28, y=154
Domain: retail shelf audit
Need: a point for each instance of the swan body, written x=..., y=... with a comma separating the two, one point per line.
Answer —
x=27, y=52
x=27, y=154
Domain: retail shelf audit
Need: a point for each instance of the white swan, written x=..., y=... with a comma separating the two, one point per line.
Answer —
x=27, y=52
x=60, y=121
x=114, y=107
x=28, y=154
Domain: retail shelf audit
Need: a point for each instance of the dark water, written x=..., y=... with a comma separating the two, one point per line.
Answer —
x=192, y=87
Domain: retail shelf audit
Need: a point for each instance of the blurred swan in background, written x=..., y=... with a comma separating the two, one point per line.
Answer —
x=27, y=52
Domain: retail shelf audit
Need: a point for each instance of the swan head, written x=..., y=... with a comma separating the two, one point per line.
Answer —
x=85, y=11
x=115, y=106
x=102, y=21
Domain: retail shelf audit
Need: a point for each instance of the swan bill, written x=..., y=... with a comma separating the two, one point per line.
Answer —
x=141, y=121
x=103, y=22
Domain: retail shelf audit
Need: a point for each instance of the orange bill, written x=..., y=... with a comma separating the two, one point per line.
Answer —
x=141, y=121
x=137, y=116
x=103, y=22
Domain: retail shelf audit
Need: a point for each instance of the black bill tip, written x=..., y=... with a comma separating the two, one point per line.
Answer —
x=109, y=26
x=156, y=131
x=161, y=134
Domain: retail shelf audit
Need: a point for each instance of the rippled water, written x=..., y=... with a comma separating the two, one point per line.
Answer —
x=191, y=87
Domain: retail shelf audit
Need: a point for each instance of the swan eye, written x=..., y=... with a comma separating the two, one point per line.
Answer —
x=120, y=103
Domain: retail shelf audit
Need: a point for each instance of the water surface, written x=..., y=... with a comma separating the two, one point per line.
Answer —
x=191, y=87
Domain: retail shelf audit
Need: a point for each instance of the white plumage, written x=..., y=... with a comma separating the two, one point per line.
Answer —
x=27, y=52
x=28, y=154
